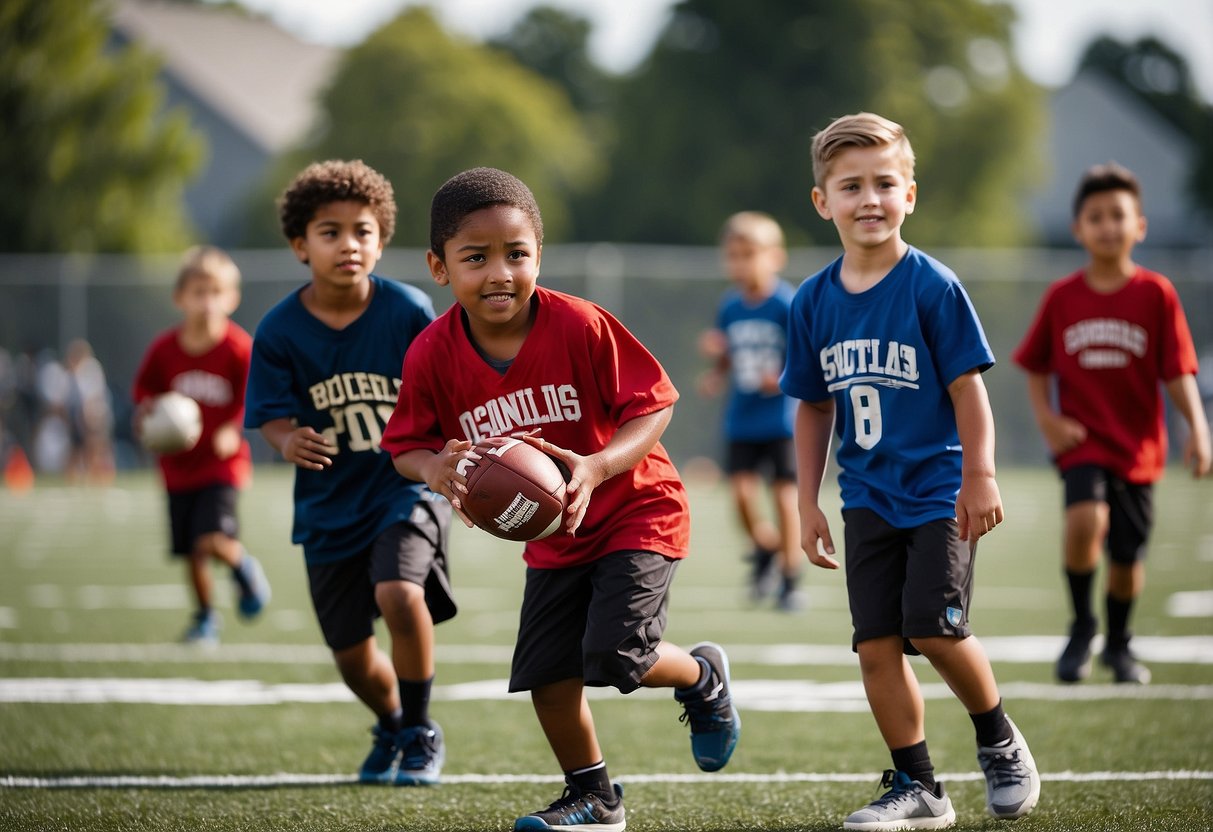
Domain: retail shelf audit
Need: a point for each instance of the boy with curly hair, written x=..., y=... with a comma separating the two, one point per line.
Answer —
x=324, y=380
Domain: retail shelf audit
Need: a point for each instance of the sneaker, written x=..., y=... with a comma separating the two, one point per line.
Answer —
x=422, y=754
x=1125, y=667
x=251, y=586
x=790, y=598
x=1012, y=782
x=380, y=765
x=763, y=577
x=577, y=810
x=203, y=630
x=907, y=804
x=715, y=723
x=1075, y=662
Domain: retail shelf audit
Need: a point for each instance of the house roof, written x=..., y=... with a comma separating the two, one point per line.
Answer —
x=262, y=79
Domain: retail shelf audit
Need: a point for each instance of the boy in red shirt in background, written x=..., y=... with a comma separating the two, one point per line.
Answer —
x=1108, y=335
x=207, y=359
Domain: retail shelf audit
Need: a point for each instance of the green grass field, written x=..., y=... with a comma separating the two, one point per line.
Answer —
x=106, y=723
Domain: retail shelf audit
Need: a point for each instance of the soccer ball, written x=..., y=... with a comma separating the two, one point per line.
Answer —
x=173, y=424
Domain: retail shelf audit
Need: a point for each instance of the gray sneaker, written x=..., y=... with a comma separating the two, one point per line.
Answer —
x=1012, y=782
x=906, y=805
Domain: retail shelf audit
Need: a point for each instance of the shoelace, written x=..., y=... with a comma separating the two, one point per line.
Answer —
x=895, y=794
x=572, y=805
x=1006, y=766
x=708, y=712
x=422, y=746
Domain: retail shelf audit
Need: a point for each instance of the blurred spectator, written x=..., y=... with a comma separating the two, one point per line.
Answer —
x=90, y=417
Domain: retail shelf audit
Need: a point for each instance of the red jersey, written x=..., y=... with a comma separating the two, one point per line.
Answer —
x=216, y=381
x=579, y=375
x=1109, y=353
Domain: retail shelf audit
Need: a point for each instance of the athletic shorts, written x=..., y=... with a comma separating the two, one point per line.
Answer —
x=774, y=459
x=193, y=514
x=913, y=583
x=1130, y=508
x=600, y=622
x=343, y=591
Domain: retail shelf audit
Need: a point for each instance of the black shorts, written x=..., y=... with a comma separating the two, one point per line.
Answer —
x=599, y=621
x=774, y=459
x=193, y=514
x=343, y=592
x=913, y=583
x=1130, y=508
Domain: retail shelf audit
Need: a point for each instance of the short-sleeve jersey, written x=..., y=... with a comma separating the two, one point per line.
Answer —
x=343, y=384
x=757, y=335
x=579, y=375
x=1109, y=353
x=215, y=379
x=886, y=356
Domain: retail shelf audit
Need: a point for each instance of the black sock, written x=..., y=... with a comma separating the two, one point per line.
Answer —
x=705, y=675
x=1118, y=621
x=992, y=727
x=593, y=780
x=1080, y=595
x=393, y=722
x=415, y=701
x=915, y=761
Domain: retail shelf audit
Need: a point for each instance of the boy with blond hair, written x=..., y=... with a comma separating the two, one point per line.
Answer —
x=206, y=358
x=886, y=351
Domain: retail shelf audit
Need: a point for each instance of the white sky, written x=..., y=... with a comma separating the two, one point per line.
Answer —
x=1048, y=38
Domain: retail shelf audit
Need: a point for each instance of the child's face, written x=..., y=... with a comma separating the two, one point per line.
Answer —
x=751, y=265
x=1109, y=224
x=342, y=244
x=204, y=299
x=491, y=265
x=867, y=195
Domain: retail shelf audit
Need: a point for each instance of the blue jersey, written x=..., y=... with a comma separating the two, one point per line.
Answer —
x=886, y=356
x=758, y=344
x=344, y=384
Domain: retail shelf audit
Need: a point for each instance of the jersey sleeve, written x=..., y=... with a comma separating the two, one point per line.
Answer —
x=268, y=395
x=955, y=338
x=630, y=379
x=149, y=378
x=1178, y=354
x=1034, y=352
x=415, y=419
x=802, y=377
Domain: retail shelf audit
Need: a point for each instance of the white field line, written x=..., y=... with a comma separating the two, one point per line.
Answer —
x=236, y=781
x=1010, y=649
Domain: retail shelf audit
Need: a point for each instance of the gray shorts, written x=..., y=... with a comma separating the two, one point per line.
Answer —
x=600, y=622
x=913, y=583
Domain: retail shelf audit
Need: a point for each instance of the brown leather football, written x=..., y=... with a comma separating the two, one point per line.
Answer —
x=515, y=490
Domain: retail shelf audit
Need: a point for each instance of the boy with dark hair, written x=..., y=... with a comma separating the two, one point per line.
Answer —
x=1106, y=337
x=324, y=379
x=207, y=359
x=594, y=606
x=886, y=352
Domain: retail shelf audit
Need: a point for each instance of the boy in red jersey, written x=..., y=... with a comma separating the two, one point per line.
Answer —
x=595, y=602
x=1109, y=334
x=207, y=359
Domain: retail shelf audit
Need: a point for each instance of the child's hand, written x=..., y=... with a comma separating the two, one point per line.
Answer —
x=584, y=477
x=227, y=441
x=816, y=527
x=1197, y=453
x=307, y=449
x=713, y=344
x=1063, y=434
x=142, y=408
x=444, y=475
x=769, y=384
x=978, y=506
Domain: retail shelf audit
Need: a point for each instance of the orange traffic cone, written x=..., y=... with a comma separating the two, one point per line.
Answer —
x=18, y=473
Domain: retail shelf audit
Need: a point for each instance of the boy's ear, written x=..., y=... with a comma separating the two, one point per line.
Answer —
x=437, y=268
x=819, y=202
x=299, y=246
x=911, y=196
x=1141, y=227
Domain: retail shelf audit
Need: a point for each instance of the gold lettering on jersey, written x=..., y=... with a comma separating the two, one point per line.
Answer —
x=1105, y=343
x=870, y=361
x=359, y=404
x=521, y=409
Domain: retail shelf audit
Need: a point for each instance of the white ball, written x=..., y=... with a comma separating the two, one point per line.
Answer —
x=172, y=425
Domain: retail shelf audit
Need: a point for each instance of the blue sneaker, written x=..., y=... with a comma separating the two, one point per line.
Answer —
x=380, y=765
x=203, y=630
x=715, y=723
x=576, y=810
x=422, y=754
x=252, y=587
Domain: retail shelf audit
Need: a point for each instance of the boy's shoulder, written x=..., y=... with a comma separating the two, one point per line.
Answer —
x=398, y=292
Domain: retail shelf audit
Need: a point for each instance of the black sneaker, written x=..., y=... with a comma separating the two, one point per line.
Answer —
x=577, y=810
x=763, y=575
x=1125, y=667
x=1075, y=662
x=715, y=723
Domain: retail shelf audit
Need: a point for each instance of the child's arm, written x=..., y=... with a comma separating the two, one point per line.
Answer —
x=439, y=471
x=630, y=444
x=301, y=446
x=1061, y=433
x=813, y=430
x=713, y=345
x=978, y=505
x=1186, y=397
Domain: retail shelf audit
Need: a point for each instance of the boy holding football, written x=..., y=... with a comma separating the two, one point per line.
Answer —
x=324, y=378
x=886, y=352
x=595, y=602
x=206, y=358
x=1107, y=337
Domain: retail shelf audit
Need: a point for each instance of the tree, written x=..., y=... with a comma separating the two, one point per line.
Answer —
x=420, y=106
x=721, y=116
x=87, y=160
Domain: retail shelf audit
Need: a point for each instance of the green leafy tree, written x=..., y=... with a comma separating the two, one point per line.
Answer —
x=88, y=162
x=721, y=115
x=420, y=106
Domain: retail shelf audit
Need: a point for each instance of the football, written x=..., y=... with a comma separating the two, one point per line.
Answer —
x=515, y=490
x=172, y=425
